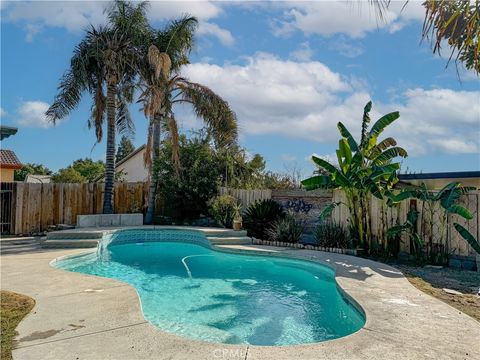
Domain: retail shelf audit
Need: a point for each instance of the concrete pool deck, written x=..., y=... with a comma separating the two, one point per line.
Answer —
x=78, y=316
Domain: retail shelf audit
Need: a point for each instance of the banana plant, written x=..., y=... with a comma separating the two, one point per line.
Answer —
x=409, y=227
x=364, y=168
x=447, y=198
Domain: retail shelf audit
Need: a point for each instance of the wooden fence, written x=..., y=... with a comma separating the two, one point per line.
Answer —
x=36, y=206
x=39, y=205
x=437, y=231
x=246, y=197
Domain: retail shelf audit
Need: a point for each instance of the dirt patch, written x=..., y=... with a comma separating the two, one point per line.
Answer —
x=432, y=282
x=13, y=308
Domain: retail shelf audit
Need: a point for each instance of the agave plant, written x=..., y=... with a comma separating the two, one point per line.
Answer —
x=260, y=216
x=447, y=199
x=332, y=234
x=286, y=229
x=364, y=168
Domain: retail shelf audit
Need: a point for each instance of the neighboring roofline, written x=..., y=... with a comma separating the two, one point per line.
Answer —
x=11, y=166
x=125, y=159
x=129, y=156
x=441, y=175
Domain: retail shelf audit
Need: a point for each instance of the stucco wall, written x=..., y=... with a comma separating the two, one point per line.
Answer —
x=133, y=169
x=6, y=175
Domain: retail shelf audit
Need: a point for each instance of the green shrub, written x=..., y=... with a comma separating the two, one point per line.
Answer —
x=224, y=208
x=287, y=229
x=331, y=234
x=260, y=216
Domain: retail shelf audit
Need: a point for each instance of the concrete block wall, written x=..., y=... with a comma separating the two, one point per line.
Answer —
x=105, y=220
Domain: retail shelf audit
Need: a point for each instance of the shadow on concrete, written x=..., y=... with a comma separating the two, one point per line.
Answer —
x=361, y=270
x=21, y=247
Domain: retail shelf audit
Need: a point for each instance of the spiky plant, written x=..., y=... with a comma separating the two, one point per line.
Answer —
x=260, y=216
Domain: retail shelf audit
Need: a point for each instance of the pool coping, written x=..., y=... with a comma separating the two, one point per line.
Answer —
x=401, y=321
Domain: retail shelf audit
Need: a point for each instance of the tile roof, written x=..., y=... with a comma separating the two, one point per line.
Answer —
x=9, y=160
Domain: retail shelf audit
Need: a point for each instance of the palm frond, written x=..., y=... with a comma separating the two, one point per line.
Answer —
x=217, y=114
x=177, y=40
x=77, y=79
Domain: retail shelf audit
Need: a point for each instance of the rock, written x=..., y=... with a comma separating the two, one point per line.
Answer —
x=452, y=292
x=438, y=267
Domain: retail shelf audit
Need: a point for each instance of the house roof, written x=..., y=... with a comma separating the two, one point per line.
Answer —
x=8, y=160
x=125, y=159
x=441, y=175
x=6, y=131
x=129, y=156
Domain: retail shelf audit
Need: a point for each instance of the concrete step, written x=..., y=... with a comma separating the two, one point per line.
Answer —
x=70, y=243
x=214, y=232
x=69, y=235
x=230, y=240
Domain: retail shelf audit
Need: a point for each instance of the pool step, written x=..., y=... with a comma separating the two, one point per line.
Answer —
x=230, y=240
x=69, y=243
x=219, y=232
x=73, y=235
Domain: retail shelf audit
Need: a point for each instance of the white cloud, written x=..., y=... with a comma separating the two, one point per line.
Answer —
x=165, y=10
x=288, y=157
x=303, y=53
x=345, y=47
x=306, y=100
x=31, y=30
x=3, y=113
x=223, y=35
x=75, y=16
x=32, y=114
x=71, y=15
x=352, y=18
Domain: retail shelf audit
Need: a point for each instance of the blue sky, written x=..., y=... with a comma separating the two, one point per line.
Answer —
x=290, y=70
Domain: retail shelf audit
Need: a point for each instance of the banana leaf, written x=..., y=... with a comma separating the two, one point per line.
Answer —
x=338, y=177
x=418, y=240
x=318, y=182
x=467, y=236
x=327, y=211
x=346, y=134
x=382, y=123
x=460, y=210
x=390, y=154
x=396, y=230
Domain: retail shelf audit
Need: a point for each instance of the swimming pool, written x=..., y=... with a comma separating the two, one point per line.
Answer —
x=189, y=289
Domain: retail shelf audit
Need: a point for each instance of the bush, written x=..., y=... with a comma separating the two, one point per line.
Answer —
x=260, y=216
x=287, y=230
x=186, y=198
x=331, y=234
x=224, y=208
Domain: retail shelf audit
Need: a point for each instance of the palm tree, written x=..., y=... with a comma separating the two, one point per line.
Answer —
x=163, y=87
x=452, y=22
x=105, y=58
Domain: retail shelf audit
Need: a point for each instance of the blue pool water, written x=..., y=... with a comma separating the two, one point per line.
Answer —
x=191, y=290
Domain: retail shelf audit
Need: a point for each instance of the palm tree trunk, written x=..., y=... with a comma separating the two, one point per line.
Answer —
x=110, y=158
x=152, y=191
